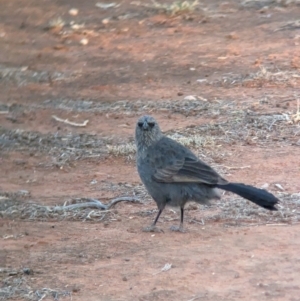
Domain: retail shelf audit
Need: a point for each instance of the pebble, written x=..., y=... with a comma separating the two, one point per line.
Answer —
x=73, y=11
x=84, y=41
x=190, y=97
x=265, y=186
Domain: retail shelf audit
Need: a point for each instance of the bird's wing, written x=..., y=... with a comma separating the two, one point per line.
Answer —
x=179, y=165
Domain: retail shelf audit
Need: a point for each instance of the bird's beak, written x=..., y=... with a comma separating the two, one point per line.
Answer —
x=145, y=126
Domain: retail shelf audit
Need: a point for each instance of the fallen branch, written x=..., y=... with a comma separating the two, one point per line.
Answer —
x=70, y=122
x=93, y=203
x=4, y=112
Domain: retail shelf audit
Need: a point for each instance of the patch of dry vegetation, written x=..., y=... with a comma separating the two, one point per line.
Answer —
x=246, y=127
x=17, y=284
x=23, y=76
x=273, y=75
x=263, y=77
x=174, y=8
x=230, y=208
x=56, y=23
x=129, y=149
x=244, y=212
x=263, y=3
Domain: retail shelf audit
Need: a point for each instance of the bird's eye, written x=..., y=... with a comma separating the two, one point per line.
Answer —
x=140, y=124
x=151, y=124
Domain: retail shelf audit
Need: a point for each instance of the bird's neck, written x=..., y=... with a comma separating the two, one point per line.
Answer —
x=147, y=141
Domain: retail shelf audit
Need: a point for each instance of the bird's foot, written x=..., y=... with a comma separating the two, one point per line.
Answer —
x=153, y=228
x=177, y=229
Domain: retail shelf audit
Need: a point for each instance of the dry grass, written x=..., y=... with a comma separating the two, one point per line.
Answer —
x=175, y=8
x=245, y=212
x=56, y=23
x=16, y=284
x=23, y=76
x=186, y=107
x=263, y=3
x=263, y=77
x=240, y=126
x=274, y=76
x=192, y=140
x=129, y=149
x=62, y=149
x=289, y=25
x=126, y=149
x=72, y=209
x=230, y=209
x=17, y=287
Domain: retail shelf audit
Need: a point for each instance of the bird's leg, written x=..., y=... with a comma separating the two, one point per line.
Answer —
x=180, y=228
x=153, y=227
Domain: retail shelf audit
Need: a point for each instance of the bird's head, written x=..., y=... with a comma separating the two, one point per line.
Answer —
x=147, y=131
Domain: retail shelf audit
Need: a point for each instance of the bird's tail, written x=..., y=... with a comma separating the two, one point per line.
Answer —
x=258, y=196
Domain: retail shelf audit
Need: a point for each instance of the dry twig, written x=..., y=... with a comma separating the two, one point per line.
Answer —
x=70, y=122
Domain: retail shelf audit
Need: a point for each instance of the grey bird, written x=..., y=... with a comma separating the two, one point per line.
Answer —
x=173, y=175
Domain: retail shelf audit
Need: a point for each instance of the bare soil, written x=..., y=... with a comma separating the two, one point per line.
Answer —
x=223, y=79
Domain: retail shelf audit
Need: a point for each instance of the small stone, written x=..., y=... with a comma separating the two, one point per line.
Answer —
x=105, y=21
x=236, y=275
x=265, y=186
x=73, y=11
x=179, y=93
x=124, y=278
x=77, y=26
x=27, y=271
x=84, y=41
x=232, y=36
x=190, y=97
x=192, y=69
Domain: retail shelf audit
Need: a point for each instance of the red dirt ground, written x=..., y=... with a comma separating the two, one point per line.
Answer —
x=143, y=61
